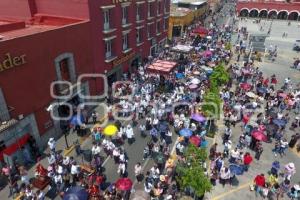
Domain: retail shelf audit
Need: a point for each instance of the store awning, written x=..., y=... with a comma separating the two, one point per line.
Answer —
x=161, y=66
x=11, y=149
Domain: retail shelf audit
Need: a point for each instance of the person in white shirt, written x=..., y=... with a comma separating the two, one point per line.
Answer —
x=74, y=172
x=96, y=149
x=40, y=195
x=227, y=147
x=168, y=137
x=51, y=159
x=116, y=155
x=58, y=179
x=179, y=149
x=142, y=130
x=235, y=153
x=122, y=169
x=155, y=122
x=154, y=171
x=52, y=144
x=254, y=105
x=66, y=161
x=224, y=175
x=59, y=169
x=129, y=134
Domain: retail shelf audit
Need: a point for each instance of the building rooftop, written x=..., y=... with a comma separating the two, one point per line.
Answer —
x=179, y=12
x=192, y=2
x=40, y=23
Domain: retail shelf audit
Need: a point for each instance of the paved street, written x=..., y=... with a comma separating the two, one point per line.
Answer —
x=281, y=67
x=240, y=190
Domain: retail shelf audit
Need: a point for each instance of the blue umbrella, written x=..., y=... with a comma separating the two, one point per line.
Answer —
x=279, y=122
x=76, y=120
x=262, y=90
x=76, y=193
x=179, y=75
x=163, y=126
x=185, y=132
x=236, y=169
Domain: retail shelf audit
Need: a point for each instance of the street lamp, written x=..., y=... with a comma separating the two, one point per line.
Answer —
x=65, y=129
x=63, y=125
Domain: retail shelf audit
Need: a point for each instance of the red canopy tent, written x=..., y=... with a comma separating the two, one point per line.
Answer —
x=161, y=66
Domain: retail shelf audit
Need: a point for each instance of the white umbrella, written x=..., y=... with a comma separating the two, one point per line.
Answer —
x=195, y=81
x=251, y=94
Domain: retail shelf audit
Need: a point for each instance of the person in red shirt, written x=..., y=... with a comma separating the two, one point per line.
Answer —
x=247, y=161
x=260, y=182
x=266, y=82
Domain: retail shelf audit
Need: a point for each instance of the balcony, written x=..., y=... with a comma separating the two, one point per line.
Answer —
x=125, y=23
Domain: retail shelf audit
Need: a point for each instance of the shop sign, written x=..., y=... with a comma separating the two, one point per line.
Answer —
x=10, y=61
x=124, y=58
x=120, y=1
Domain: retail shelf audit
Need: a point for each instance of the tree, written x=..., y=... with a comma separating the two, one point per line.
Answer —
x=195, y=155
x=219, y=76
x=212, y=100
x=191, y=173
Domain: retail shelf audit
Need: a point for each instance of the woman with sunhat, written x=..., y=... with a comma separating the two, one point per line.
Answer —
x=289, y=170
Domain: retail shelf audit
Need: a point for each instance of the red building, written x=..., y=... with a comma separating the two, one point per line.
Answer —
x=42, y=41
x=269, y=9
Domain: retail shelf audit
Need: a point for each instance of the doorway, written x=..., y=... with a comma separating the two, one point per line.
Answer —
x=176, y=31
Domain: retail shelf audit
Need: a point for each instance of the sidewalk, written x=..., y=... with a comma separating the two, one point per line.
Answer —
x=85, y=142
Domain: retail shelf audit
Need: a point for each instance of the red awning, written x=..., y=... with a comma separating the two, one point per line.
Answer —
x=15, y=146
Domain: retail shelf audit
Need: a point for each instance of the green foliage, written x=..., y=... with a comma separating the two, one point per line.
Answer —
x=212, y=99
x=219, y=76
x=195, y=155
x=191, y=174
x=228, y=46
x=211, y=107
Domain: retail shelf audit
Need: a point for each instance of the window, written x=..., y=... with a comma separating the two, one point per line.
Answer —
x=106, y=15
x=166, y=2
x=124, y=15
x=139, y=36
x=64, y=69
x=158, y=27
x=138, y=12
x=150, y=10
x=148, y=30
x=108, y=49
x=125, y=41
x=159, y=8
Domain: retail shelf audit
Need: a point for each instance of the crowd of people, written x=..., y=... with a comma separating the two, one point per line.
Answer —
x=163, y=105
